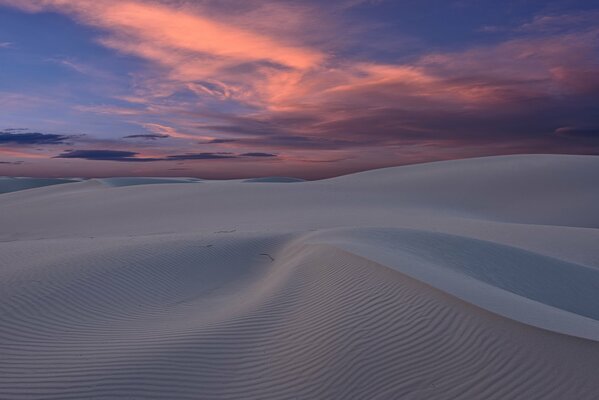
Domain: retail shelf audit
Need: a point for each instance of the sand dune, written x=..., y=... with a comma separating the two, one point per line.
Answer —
x=471, y=279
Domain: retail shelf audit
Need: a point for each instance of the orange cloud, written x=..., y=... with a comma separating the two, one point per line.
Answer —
x=172, y=132
x=239, y=57
x=175, y=29
x=200, y=53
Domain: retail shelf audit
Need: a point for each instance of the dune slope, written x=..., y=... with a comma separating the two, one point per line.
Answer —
x=465, y=279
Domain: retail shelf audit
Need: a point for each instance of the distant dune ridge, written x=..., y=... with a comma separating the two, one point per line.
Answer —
x=274, y=179
x=467, y=279
x=8, y=184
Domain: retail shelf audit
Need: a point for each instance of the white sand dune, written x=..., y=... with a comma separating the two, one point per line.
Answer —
x=471, y=279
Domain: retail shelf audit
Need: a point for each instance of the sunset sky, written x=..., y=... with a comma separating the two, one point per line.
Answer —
x=240, y=88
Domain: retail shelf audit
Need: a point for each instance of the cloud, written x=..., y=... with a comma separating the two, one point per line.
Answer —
x=277, y=70
x=111, y=110
x=573, y=132
x=105, y=155
x=277, y=134
x=544, y=24
x=213, y=156
x=9, y=136
x=221, y=141
x=6, y=45
x=149, y=136
x=132, y=156
x=11, y=162
x=274, y=81
x=258, y=155
x=518, y=89
x=199, y=156
x=160, y=129
x=180, y=40
x=555, y=23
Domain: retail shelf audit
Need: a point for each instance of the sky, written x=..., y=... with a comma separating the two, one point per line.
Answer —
x=244, y=88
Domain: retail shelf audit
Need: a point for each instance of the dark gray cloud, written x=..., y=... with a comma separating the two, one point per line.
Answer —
x=11, y=162
x=148, y=136
x=105, y=155
x=131, y=156
x=219, y=141
x=20, y=137
x=258, y=155
x=199, y=156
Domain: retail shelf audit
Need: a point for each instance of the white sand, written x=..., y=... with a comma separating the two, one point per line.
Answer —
x=471, y=279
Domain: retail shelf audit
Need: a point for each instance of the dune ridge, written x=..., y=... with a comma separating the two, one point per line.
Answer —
x=378, y=285
x=9, y=184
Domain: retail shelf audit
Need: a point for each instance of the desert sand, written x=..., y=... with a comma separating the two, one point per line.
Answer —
x=466, y=279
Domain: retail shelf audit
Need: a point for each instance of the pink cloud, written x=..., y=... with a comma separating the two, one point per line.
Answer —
x=244, y=59
x=191, y=44
x=17, y=153
x=296, y=95
x=172, y=132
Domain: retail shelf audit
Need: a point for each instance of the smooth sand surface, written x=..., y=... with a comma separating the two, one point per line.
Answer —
x=469, y=279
